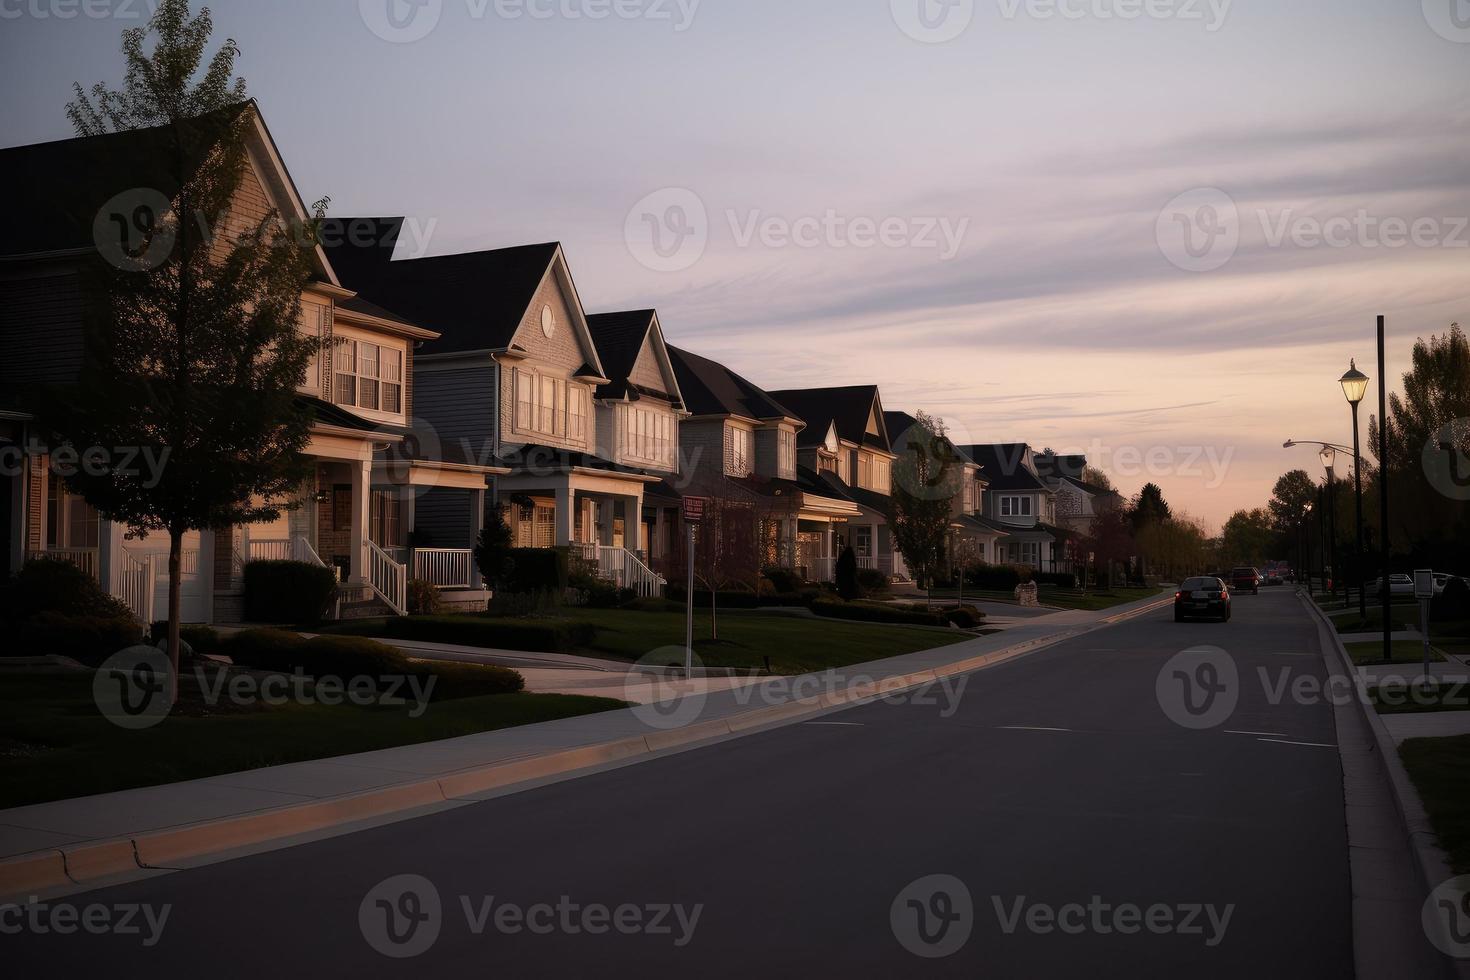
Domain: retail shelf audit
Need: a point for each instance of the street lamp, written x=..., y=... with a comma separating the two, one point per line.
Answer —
x=1304, y=551
x=1355, y=387
x=1329, y=462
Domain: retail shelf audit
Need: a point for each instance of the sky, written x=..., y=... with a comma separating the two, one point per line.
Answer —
x=1154, y=231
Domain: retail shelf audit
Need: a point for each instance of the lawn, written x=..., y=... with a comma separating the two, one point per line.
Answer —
x=1440, y=769
x=1404, y=652
x=1094, y=601
x=1348, y=620
x=54, y=744
x=1401, y=698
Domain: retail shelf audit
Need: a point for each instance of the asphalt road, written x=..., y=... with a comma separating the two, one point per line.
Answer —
x=1056, y=789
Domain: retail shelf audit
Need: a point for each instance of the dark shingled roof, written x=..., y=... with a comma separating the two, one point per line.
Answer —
x=1054, y=467
x=979, y=523
x=619, y=338
x=710, y=388
x=1003, y=464
x=59, y=188
x=899, y=423
x=849, y=408
x=326, y=413
x=476, y=300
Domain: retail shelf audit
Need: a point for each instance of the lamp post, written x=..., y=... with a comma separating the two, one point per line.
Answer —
x=1355, y=387
x=1329, y=460
x=1304, y=552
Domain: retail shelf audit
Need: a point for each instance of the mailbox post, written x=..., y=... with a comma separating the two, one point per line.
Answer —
x=1424, y=592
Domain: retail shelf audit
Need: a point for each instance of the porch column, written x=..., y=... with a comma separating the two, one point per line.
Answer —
x=477, y=514
x=605, y=519
x=362, y=491
x=565, y=500
x=827, y=537
x=633, y=523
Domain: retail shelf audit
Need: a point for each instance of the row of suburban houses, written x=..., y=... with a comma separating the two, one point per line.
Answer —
x=452, y=384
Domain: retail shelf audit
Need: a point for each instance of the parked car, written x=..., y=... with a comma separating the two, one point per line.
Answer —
x=1246, y=579
x=1203, y=597
x=1397, y=585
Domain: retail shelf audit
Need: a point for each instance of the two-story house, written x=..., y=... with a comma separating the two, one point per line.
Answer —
x=1019, y=500
x=740, y=433
x=973, y=536
x=846, y=437
x=354, y=514
x=1078, y=501
x=516, y=379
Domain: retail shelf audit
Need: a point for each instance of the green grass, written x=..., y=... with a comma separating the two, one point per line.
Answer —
x=1402, y=699
x=1094, y=601
x=1348, y=621
x=795, y=644
x=54, y=744
x=1440, y=769
x=1404, y=652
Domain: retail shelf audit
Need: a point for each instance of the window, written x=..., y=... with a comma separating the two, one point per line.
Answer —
x=577, y=411
x=550, y=406
x=546, y=407
x=525, y=386
x=882, y=470
x=786, y=462
x=1015, y=506
x=739, y=458
x=367, y=376
x=865, y=470
x=646, y=435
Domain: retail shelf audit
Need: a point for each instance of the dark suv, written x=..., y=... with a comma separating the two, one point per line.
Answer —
x=1202, y=597
x=1246, y=579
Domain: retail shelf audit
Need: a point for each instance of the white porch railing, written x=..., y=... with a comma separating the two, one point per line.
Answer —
x=84, y=558
x=624, y=569
x=388, y=579
x=285, y=549
x=867, y=562
x=137, y=583
x=447, y=568
x=820, y=569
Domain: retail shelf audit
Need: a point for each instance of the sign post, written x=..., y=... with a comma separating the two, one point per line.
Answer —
x=1424, y=592
x=693, y=515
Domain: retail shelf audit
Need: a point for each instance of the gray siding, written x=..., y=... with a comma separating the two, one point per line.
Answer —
x=41, y=329
x=442, y=519
x=460, y=406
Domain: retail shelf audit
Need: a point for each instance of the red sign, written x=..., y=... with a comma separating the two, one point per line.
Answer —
x=694, y=509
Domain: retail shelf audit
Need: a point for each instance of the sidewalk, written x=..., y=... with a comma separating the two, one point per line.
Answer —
x=93, y=840
x=1426, y=724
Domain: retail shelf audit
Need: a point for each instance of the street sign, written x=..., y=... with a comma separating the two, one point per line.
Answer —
x=1424, y=584
x=694, y=509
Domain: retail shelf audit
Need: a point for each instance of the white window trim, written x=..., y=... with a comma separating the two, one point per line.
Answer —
x=656, y=443
x=342, y=333
x=1009, y=505
x=564, y=392
x=738, y=464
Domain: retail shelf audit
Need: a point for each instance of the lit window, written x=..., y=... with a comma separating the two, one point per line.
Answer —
x=367, y=376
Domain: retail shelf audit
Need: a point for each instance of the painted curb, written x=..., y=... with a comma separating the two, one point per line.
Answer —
x=94, y=861
x=1430, y=865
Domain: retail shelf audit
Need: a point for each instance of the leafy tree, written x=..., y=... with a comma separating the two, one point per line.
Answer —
x=847, y=575
x=1248, y=537
x=194, y=350
x=1289, y=500
x=1111, y=539
x=1097, y=478
x=926, y=480
x=1149, y=507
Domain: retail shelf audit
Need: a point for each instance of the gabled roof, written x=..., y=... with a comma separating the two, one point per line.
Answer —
x=1003, y=464
x=1051, y=466
x=899, y=424
x=710, y=388
x=620, y=339
x=848, y=408
x=475, y=300
x=61, y=187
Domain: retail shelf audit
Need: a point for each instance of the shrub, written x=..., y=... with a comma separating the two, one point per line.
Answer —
x=263, y=649
x=89, y=639
x=605, y=595
x=518, y=606
x=454, y=682
x=784, y=580
x=423, y=598
x=54, y=585
x=847, y=575
x=537, y=570
x=198, y=640
x=493, y=549
x=1453, y=603
x=965, y=617
x=1062, y=580
x=872, y=581
x=287, y=592
x=874, y=613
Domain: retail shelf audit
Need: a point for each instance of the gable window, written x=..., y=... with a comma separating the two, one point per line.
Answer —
x=646, y=435
x=882, y=475
x=1015, y=506
x=786, y=461
x=577, y=412
x=550, y=406
x=865, y=470
x=367, y=376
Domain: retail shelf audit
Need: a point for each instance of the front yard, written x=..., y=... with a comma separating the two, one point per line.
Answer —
x=1440, y=769
x=54, y=743
x=795, y=643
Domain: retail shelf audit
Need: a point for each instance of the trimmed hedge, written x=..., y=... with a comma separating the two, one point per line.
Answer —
x=875, y=613
x=88, y=639
x=455, y=682
x=1062, y=580
x=785, y=580
x=489, y=633
x=538, y=570
x=54, y=585
x=287, y=592
x=965, y=617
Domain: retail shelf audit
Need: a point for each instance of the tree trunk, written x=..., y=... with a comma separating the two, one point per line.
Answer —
x=175, y=561
x=714, y=616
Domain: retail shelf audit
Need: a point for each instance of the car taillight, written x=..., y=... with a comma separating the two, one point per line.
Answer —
x=1179, y=595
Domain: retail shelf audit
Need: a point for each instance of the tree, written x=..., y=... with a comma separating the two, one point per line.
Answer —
x=492, y=550
x=1111, y=539
x=1149, y=507
x=1248, y=537
x=847, y=575
x=926, y=480
x=1093, y=476
x=193, y=348
x=1289, y=500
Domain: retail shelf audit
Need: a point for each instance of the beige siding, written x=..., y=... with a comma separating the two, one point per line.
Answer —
x=646, y=371
x=560, y=356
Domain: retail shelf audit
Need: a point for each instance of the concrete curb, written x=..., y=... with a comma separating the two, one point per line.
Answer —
x=1430, y=865
x=93, y=862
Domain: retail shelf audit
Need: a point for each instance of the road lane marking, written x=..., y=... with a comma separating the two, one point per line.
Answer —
x=837, y=724
x=1032, y=728
x=1266, y=734
x=1283, y=741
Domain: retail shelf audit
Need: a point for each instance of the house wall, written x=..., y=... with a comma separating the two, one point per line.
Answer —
x=646, y=372
x=41, y=328
x=702, y=445
x=559, y=356
x=459, y=403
